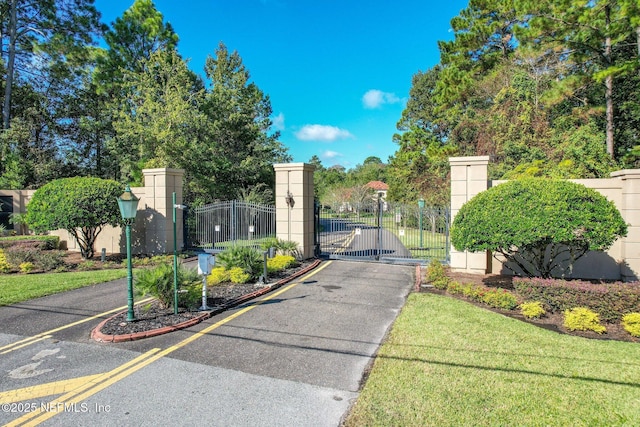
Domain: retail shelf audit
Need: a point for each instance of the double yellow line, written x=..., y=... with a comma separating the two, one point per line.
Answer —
x=44, y=335
x=92, y=384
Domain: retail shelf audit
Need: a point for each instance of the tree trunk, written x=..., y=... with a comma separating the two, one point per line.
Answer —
x=609, y=100
x=609, y=86
x=13, y=30
x=638, y=41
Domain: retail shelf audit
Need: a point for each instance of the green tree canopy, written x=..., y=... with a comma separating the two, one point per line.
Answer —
x=538, y=225
x=80, y=205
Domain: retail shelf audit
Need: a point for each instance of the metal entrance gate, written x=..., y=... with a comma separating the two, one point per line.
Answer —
x=219, y=225
x=383, y=231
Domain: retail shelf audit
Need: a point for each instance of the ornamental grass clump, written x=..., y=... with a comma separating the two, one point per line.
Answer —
x=158, y=282
x=631, y=324
x=583, y=319
x=248, y=259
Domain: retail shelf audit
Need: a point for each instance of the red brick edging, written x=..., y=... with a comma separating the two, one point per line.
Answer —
x=97, y=335
x=418, y=281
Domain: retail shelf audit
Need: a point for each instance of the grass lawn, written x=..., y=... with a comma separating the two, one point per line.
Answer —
x=21, y=287
x=449, y=363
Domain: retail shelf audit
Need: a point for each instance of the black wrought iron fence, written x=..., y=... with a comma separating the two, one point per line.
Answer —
x=217, y=226
x=380, y=230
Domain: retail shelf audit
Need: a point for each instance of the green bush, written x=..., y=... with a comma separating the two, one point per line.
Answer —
x=49, y=260
x=80, y=205
x=532, y=310
x=455, y=288
x=493, y=297
x=190, y=296
x=44, y=243
x=248, y=259
x=525, y=219
x=238, y=275
x=472, y=291
x=610, y=300
x=218, y=275
x=437, y=275
x=158, y=282
x=42, y=260
x=631, y=324
x=280, y=262
x=583, y=319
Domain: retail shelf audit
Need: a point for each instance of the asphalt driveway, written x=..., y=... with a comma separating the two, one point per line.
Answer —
x=293, y=357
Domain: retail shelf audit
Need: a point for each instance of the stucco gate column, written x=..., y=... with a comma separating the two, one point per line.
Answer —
x=630, y=211
x=159, y=185
x=295, y=205
x=469, y=176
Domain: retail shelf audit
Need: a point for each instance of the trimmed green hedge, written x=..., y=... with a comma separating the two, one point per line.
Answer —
x=38, y=242
x=610, y=300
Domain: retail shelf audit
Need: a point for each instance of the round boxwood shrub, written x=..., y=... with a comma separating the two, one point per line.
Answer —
x=538, y=225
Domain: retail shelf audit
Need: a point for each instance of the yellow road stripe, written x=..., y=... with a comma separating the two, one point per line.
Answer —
x=344, y=247
x=43, y=390
x=95, y=381
x=26, y=342
x=43, y=335
x=94, y=386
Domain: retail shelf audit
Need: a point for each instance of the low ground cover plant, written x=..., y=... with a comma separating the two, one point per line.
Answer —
x=584, y=305
x=532, y=310
x=583, y=319
x=280, y=262
x=631, y=324
x=610, y=300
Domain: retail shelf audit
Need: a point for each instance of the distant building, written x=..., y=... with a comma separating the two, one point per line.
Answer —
x=380, y=189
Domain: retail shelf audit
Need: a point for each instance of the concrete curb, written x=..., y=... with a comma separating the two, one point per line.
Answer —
x=97, y=335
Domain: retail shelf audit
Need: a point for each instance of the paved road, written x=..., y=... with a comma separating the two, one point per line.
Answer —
x=294, y=357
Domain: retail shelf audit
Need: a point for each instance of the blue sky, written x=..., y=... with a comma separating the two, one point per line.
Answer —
x=337, y=72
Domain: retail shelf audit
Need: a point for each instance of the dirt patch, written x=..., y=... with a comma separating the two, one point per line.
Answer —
x=551, y=321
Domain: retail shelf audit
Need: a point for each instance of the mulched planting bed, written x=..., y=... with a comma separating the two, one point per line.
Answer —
x=551, y=321
x=151, y=316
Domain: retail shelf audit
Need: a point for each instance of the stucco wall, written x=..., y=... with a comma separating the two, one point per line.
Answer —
x=152, y=232
x=621, y=261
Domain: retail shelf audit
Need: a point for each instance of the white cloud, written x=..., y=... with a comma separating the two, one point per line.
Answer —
x=375, y=98
x=330, y=155
x=278, y=122
x=322, y=133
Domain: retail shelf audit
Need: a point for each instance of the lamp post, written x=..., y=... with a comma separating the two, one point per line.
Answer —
x=128, y=204
x=175, y=254
x=420, y=208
